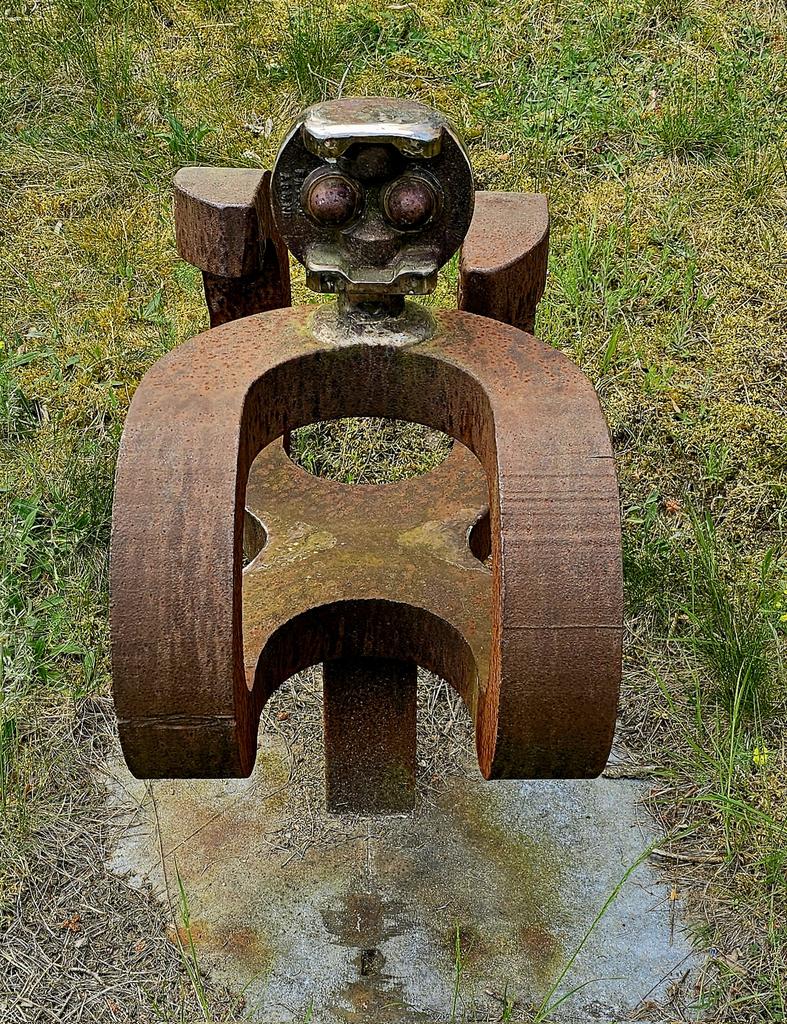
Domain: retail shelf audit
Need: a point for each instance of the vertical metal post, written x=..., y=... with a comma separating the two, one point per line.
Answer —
x=503, y=266
x=224, y=226
x=369, y=708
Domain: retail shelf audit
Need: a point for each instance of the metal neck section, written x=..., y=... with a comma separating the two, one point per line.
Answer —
x=388, y=320
x=361, y=305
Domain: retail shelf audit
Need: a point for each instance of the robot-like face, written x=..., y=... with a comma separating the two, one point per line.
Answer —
x=372, y=195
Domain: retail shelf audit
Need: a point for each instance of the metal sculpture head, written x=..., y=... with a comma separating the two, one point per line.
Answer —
x=372, y=196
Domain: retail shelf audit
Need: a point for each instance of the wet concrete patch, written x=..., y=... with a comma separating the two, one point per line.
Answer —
x=354, y=919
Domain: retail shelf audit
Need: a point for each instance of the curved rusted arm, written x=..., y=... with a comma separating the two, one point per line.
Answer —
x=545, y=706
x=557, y=602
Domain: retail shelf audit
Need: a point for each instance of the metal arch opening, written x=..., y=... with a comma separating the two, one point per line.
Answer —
x=368, y=450
x=365, y=629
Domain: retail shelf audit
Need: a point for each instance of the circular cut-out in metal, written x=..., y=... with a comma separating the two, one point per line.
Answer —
x=365, y=450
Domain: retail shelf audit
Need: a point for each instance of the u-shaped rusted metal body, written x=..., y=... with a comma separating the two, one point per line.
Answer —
x=541, y=684
x=500, y=570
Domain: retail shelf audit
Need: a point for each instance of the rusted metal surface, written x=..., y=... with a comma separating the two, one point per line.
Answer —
x=503, y=266
x=224, y=226
x=332, y=543
x=369, y=709
x=373, y=197
x=543, y=701
x=500, y=570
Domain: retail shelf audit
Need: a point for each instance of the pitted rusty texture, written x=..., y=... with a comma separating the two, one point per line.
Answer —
x=500, y=570
x=414, y=539
x=544, y=696
x=422, y=541
x=369, y=716
x=503, y=266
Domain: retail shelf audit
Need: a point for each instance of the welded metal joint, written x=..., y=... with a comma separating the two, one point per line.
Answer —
x=233, y=568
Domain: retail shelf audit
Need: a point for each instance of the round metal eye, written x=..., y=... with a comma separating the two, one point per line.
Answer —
x=409, y=202
x=332, y=199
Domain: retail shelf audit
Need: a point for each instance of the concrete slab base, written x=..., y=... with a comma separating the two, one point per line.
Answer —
x=469, y=909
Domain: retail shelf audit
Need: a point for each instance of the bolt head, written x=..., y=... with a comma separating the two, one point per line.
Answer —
x=332, y=199
x=409, y=202
x=375, y=162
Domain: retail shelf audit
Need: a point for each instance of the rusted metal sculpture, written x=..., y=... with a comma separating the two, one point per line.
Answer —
x=500, y=570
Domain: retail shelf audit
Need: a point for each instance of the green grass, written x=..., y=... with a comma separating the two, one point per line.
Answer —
x=657, y=127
